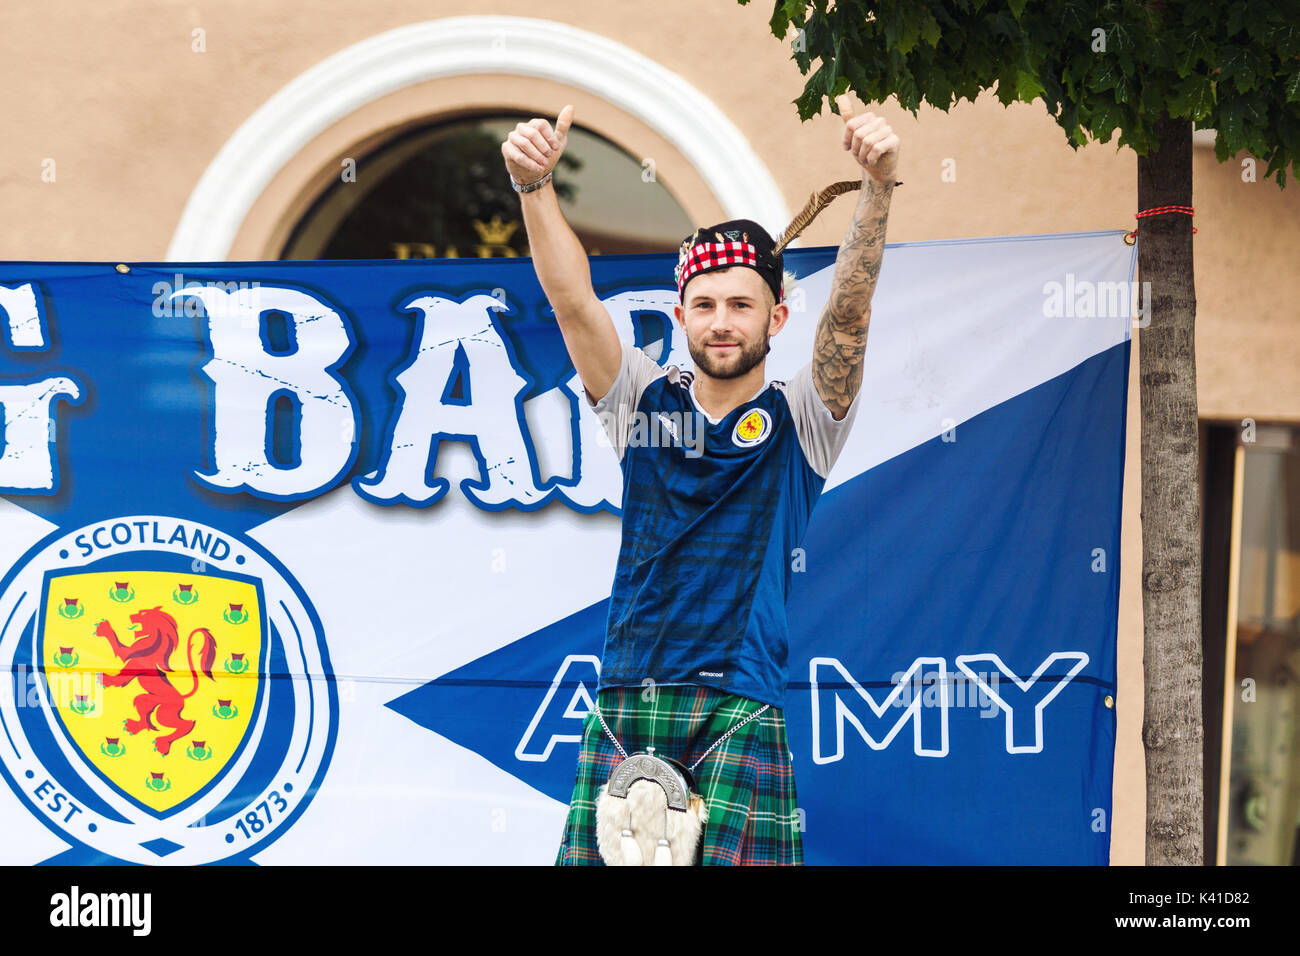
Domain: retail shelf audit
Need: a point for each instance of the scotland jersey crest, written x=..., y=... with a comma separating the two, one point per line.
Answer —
x=752, y=428
x=171, y=696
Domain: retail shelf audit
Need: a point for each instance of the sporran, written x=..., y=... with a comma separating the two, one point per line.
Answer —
x=650, y=812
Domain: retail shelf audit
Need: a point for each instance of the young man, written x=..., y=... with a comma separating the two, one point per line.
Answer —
x=696, y=645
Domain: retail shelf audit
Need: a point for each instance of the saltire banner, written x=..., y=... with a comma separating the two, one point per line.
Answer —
x=309, y=562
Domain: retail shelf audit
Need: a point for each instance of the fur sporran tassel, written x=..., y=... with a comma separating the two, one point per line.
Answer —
x=628, y=829
x=631, y=852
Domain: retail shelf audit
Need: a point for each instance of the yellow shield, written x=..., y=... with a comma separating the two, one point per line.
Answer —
x=751, y=428
x=127, y=656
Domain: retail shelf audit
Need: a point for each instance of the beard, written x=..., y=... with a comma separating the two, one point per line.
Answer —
x=735, y=364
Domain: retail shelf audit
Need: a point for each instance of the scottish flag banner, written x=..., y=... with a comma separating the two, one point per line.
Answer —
x=309, y=562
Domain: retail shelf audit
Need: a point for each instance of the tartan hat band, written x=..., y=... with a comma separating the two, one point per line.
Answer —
x=737, y=242
x=716, y=255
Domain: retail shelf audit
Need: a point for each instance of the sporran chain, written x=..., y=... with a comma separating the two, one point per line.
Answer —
x=623, y=753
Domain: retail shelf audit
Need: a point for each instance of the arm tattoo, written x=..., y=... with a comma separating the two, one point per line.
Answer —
x=841, y=341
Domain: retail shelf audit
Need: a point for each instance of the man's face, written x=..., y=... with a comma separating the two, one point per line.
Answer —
x=728, y=317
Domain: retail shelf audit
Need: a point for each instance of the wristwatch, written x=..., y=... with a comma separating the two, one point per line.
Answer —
x=519, y=188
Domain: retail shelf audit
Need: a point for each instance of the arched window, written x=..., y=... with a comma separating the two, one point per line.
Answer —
x=441, y=191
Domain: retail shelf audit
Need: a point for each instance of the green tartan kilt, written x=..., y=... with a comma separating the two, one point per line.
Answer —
x=747, y=782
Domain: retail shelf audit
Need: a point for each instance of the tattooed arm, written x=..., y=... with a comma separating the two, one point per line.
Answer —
x=840, y=345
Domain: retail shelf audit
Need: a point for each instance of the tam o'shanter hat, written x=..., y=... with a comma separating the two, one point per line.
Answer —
x=743, y=242
x=736, y=242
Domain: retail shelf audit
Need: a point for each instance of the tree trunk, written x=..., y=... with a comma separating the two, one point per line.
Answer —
x=1171, y=530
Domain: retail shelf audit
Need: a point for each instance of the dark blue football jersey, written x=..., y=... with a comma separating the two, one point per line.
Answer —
x=713, y=510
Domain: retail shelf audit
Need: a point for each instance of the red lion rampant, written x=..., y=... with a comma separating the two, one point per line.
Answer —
x=148, y=660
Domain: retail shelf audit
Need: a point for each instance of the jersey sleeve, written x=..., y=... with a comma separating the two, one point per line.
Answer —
x=615, y=409
x=820, y=436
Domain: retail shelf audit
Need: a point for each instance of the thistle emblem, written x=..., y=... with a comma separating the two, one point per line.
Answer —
x=70, y=609
x=198, y=750
x=185, y=594
x=121, y=592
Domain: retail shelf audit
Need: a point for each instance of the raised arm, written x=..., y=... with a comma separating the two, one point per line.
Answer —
x=531, y=151
x=840, y=344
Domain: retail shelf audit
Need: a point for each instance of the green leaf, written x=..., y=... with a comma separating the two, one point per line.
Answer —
x=1006, y=89
x=1193, y=98
x=855, y=72
x=930, y=31
x=1288, y=132
x=1128, y=137
x=938, y=88
x=1235, y=64
x=1292, y=89
x=910, y=34
x=1197, y=48
x=1017, y=7
x=1222, y=151
x=1260, y=21
x=968, y=88
x=891, y=25
x=1069, y=120
x=1105, y=120
x=1027, y=86
x=1123, y=89
x=1255, y=111
x=1105, y=76
x=1231, y=122
x=779, y=23
x=816, y=37
x=1236, y=18
x=1287, y=46
x=809, y=102
x=908, y=94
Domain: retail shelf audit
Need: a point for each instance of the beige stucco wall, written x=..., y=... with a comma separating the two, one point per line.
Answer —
x=131, y=116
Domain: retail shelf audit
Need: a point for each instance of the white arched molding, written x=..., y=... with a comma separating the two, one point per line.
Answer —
x=457, y=46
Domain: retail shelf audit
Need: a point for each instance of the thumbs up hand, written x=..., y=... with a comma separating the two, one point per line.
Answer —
x=870, y=139
x=532, y=149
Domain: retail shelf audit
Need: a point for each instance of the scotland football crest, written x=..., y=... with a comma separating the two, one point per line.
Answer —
x=752, y=427
x=173, y=698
